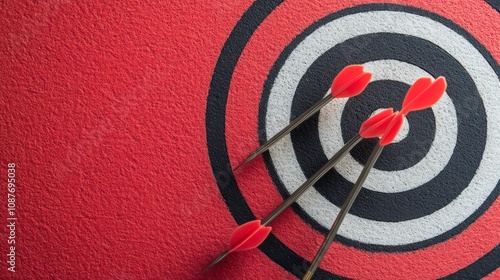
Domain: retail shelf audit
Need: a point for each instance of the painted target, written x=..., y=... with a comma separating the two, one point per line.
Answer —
x=429, y=193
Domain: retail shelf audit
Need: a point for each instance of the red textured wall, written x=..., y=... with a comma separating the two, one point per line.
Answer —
x=103, y=113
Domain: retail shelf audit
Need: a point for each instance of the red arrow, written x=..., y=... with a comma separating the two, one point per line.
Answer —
x=424, y=93
x=245, y=237
x=351, y=81
x=386, y=124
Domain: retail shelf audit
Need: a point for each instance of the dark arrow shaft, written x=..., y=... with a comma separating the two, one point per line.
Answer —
x=343, y=212
x=218, y=259
x=296, y=122
x=311, y=181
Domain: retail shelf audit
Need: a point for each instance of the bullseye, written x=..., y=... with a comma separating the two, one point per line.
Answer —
x=415, y=207
x=403, y=132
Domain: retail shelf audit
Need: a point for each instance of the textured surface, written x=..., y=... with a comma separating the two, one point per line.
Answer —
x=106, y=114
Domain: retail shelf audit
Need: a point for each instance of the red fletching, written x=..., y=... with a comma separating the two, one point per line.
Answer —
x=356, y=87
x=423, y=94
x=255, y=240
x=248, y=236
x=346, y=75
x=351, y=81
x=392, y=129
x=418, y=87
x=377, y=124
x=242, y=231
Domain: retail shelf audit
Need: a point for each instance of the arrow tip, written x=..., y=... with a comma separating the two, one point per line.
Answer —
x=214, y=262
x=239, y=165
x=247, y=160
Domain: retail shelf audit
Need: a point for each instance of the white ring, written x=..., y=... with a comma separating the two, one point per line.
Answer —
x=430, y=166
x=338, y=31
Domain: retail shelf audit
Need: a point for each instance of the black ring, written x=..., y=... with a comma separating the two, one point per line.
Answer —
x=397, y=156
x=372, y=205
x=444, y=187
x=215, y=124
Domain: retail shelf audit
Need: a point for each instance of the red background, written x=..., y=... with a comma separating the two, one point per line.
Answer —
x=103, y=112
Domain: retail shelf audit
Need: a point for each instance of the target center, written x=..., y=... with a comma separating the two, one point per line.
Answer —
x=403, y=132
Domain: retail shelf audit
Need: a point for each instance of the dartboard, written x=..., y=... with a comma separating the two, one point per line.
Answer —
x=122, y=123
x=421, y=211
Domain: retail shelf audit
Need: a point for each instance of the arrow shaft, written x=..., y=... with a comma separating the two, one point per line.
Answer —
x=314, y=178
x=214, y=262
x=296, y=122
x=343, y=211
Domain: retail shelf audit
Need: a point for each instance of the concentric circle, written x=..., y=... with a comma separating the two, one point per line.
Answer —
x=439, y=179
x=287, y=254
